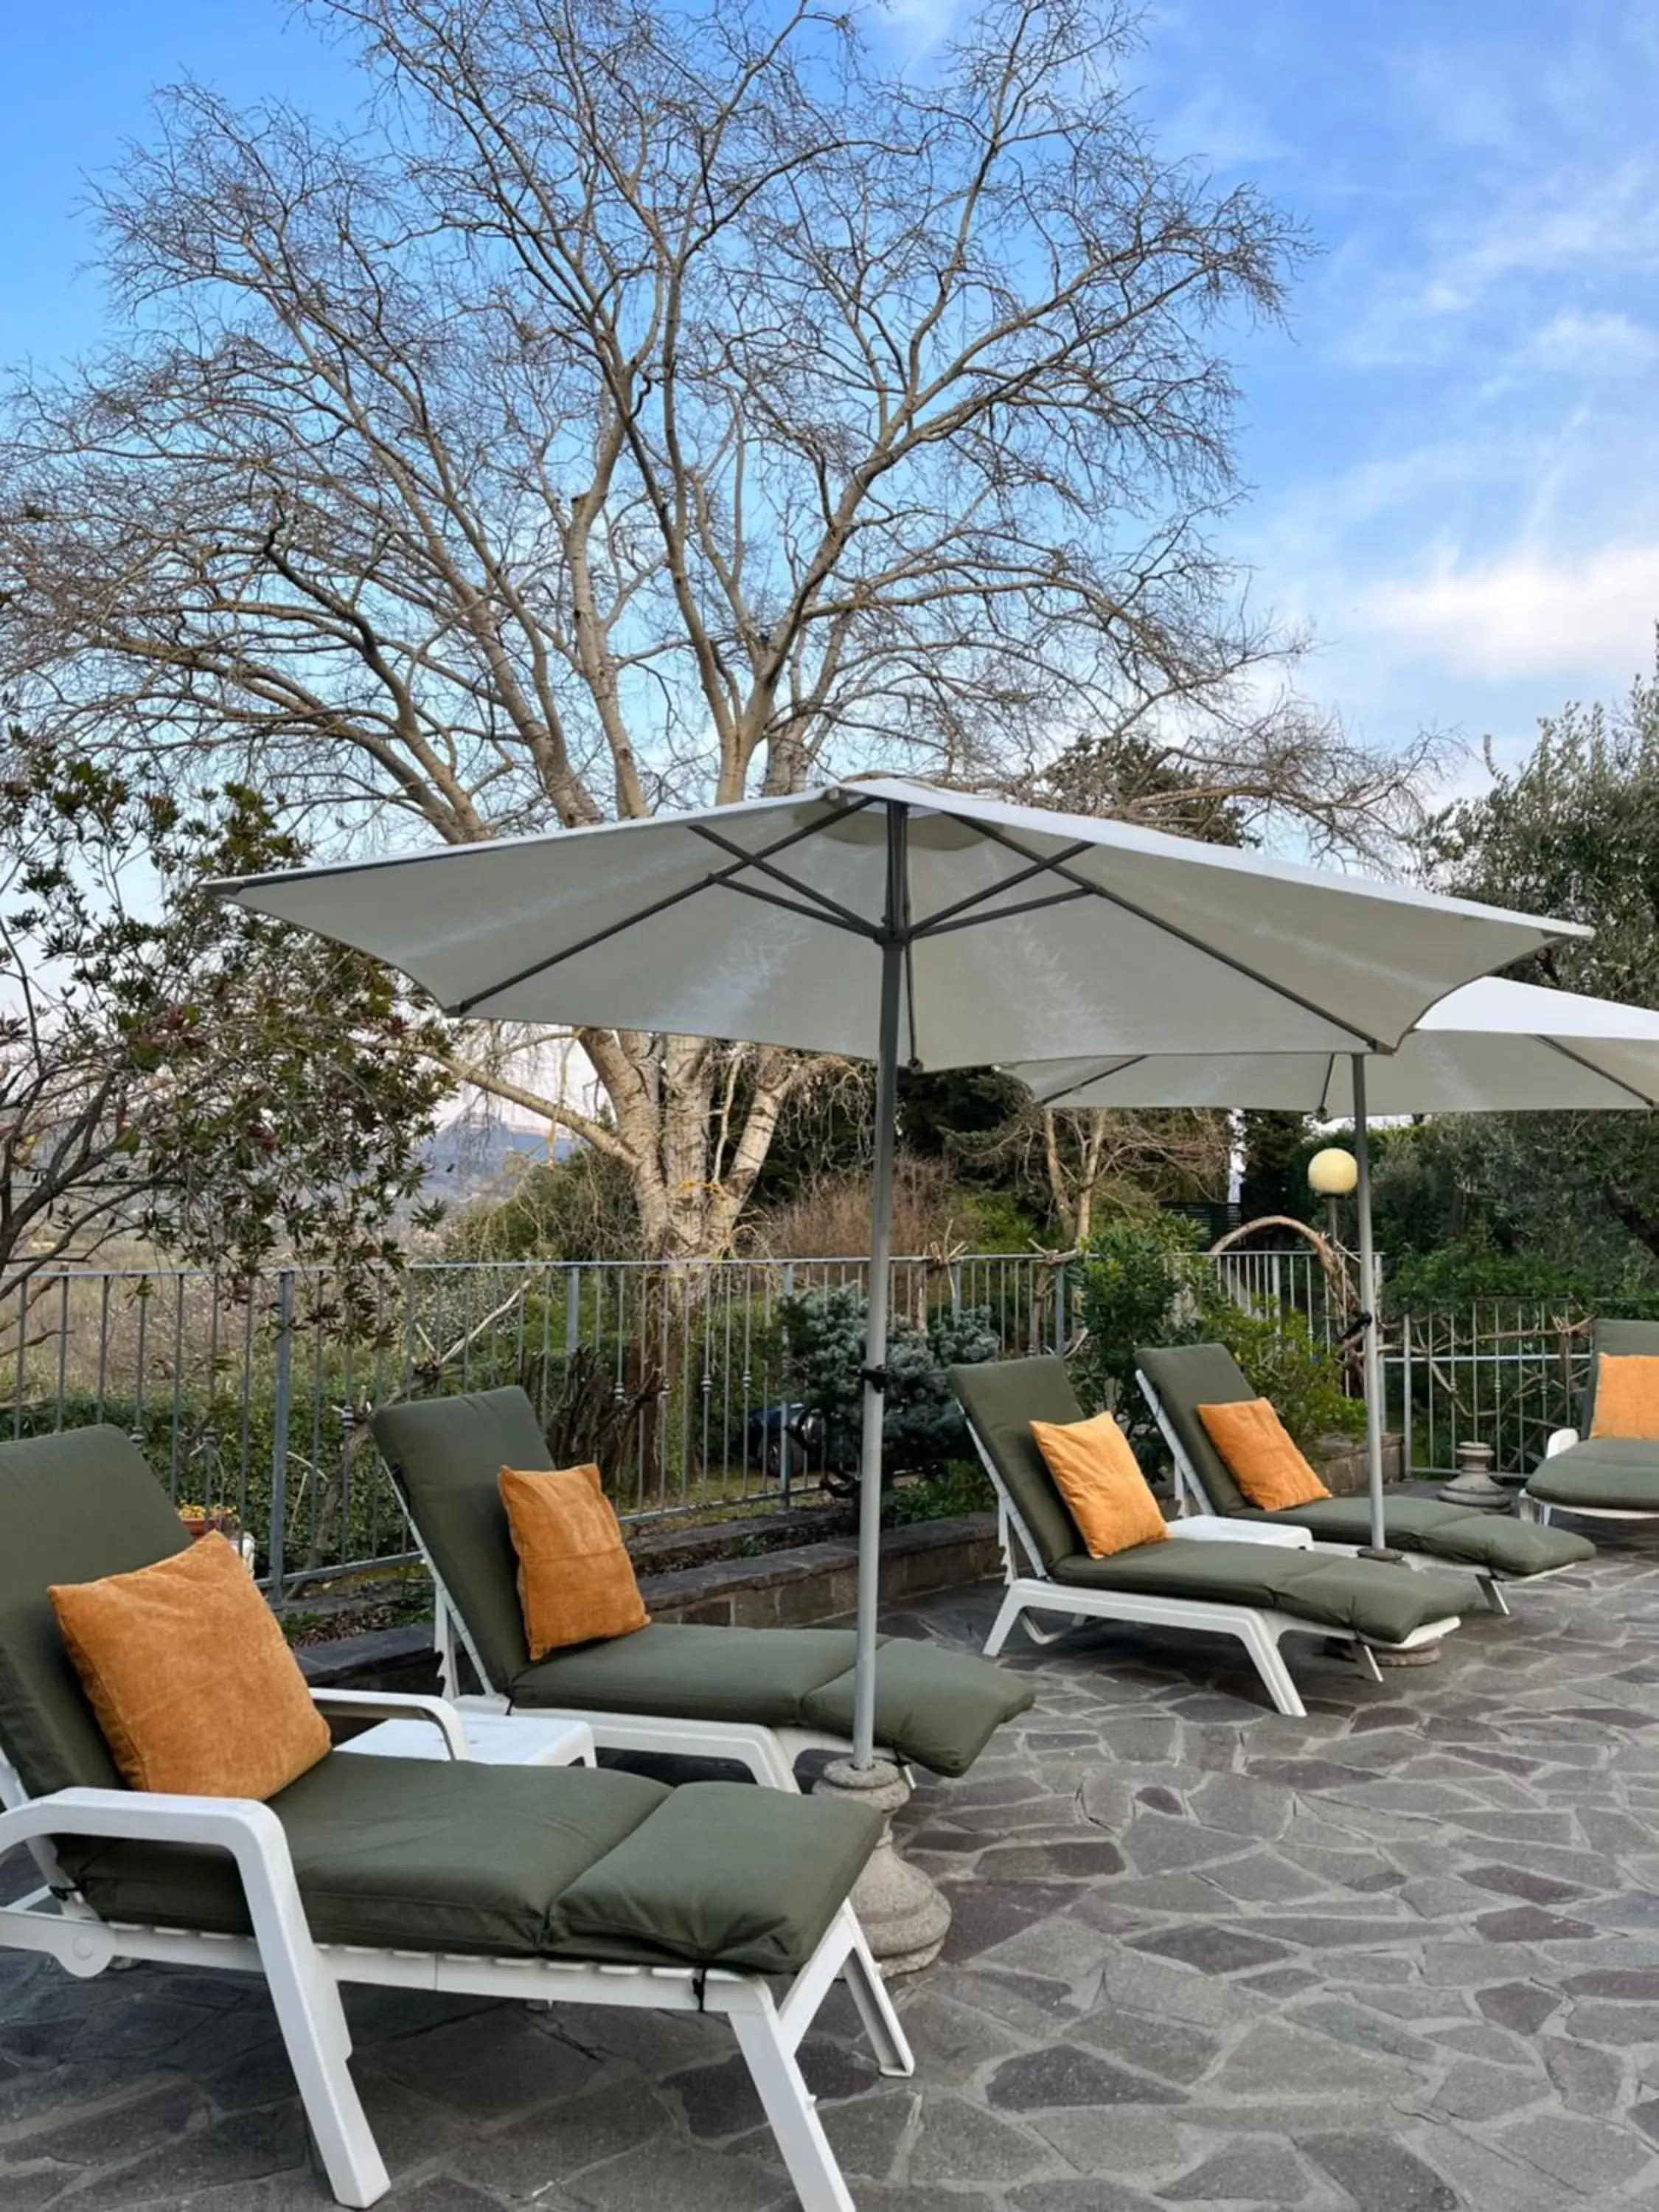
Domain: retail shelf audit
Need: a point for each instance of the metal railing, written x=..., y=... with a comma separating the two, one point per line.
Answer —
x=253, y=1403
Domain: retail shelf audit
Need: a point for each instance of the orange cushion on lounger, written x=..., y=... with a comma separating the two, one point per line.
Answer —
x=575, y=1579
x=1261, y=1455
x=1627, y=1397
x=192, y=1681
x=1100, y=1479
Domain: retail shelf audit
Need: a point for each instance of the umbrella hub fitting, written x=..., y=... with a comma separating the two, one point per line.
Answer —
x=877, y=1377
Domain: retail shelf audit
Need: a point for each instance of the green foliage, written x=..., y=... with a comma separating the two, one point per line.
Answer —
x=580, y=1208
x=1144, y=1283
x=1274, y=1178
x=1573, y=831
x=226, y=1087
x=963, y=1489
x=923, y=1431
x=1285, y=1363
x=1466, y=1273
x=1131, y=1291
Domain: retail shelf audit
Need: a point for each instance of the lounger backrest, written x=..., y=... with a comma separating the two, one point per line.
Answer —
x=446, y=1455
x=1185, y=1377
x=1001, y=1398
x=73, y=1508
x=1624, y=1339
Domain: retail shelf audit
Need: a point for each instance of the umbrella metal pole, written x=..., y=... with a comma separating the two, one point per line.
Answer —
x=1369, y=1340
x=875, y=1336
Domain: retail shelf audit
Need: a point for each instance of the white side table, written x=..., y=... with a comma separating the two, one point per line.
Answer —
x=493, y=1739
x=1214, y=1528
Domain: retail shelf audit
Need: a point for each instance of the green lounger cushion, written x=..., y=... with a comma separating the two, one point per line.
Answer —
x=1381, y=1603
x=1001, y=1398
x=724, y=1875
x=522, y=1862
x=1491, y=1541
x=1615, y=1472
x=1185, y=1377
x=936, y=1708
x=1622, y=1339
x=1189, y=1376
x=74, y=1507
x=446, y=1455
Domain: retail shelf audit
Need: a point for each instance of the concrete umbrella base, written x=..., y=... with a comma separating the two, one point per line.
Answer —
x=904, y=1916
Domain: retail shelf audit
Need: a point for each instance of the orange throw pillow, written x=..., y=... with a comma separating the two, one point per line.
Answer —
x=1100, y=1479
x=575, y=1579
x=191, y=1680
x=1626, y=1396
x=1261, y=1455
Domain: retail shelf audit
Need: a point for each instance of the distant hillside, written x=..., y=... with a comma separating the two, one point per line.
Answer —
x=466, y=1159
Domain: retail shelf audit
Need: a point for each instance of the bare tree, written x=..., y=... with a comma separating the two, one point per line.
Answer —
x=651, y=407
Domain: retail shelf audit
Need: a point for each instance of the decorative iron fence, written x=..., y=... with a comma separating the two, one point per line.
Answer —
x=255, y=1404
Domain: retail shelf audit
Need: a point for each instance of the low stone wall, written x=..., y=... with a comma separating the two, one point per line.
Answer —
x=793, y=1588
x=1342, y=1469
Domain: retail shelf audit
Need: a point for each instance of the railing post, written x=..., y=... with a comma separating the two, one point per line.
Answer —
x=785, y=1462
x=280, y=1408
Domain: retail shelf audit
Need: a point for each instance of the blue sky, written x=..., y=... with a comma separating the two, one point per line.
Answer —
x=1454, y=452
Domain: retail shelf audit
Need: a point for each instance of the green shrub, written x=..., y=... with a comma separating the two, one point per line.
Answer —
x=923, y=1431
x=963, y=1488
x=1139, y=1285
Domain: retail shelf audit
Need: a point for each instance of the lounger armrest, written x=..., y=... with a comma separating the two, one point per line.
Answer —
x=1561, y=1440
x=397, y=1705
x=249, y=1831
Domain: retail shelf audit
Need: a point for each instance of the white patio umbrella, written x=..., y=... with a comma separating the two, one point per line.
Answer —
x=1490, y=1047
x=913, y=926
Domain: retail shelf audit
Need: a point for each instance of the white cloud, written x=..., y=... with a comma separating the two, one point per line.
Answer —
x=1577, y=344
x=1526, y=615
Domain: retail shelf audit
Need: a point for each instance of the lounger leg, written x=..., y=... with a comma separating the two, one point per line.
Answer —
x=1003, y=1627
x=313, y=2021
x=1367, y=1665
x=869, y=1993
x=1254, y=1634
x=1496, y=1600
x=788, y=2106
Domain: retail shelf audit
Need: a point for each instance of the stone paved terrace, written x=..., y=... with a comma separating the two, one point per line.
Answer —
x=1403, y=1956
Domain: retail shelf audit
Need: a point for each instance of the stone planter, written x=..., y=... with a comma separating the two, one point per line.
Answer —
x=1339, y=1463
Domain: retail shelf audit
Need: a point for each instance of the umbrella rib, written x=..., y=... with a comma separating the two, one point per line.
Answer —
x=1100, y=1071
x=797, y=906
x=1001, y=913
x=1058, y=867
x=938, y=919
x=717, y=881
x=844, y=914
x=1590, y=1068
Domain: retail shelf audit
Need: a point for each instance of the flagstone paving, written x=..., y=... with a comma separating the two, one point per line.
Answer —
x=1402, y=1956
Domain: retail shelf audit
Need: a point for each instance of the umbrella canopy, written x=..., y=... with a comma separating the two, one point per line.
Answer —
x=1490, y=1047
x=907, y=924
x=1024, y=932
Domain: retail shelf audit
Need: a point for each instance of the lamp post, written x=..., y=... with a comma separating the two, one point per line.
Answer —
x=1333, y=1173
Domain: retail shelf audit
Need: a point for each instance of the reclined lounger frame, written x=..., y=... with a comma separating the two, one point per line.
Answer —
x=304, y=1976
x=1190, y=1495
x=1541, y=1508
x=1032, y=1588
x=1608, y=1335
x=768, y=1753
